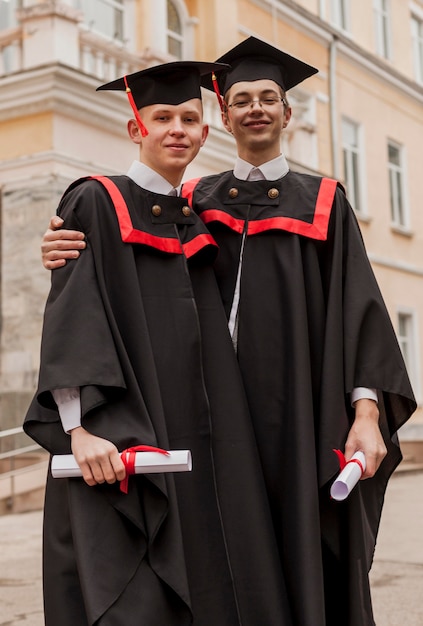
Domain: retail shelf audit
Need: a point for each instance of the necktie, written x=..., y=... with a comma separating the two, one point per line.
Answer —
x=173, y=192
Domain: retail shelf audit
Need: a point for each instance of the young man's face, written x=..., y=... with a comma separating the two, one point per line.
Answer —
x=258, y=125
x=175, y=135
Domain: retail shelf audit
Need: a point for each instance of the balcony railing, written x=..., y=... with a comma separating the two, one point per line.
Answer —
x=107, y=60
x=22, y=469
x=11, y=50
x=98, y=56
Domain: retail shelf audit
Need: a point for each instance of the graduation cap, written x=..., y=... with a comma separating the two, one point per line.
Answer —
x=169, y=83
x=254, y=59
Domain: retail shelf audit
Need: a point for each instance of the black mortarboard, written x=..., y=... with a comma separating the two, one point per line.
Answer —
x=254, y=59
x=169, y=83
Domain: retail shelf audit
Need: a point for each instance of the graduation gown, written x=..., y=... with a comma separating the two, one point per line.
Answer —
x=137, y=323
x=311, y=326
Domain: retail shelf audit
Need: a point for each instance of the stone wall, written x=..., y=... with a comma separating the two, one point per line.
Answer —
x=26, y=208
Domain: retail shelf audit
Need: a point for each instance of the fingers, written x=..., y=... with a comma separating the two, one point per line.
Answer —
x=55, y=252
x=55, y=222
x=52, y=265
x=118, y=467
x=373, y=461
x=374, y=454
x=60, y=244
x=367, y=438
x=95, y=472
x=98, y=458
x=61, y=250
x=54, y=258
x=62, y=240
x=70, y=236
x=100, y=470
x=365, y=435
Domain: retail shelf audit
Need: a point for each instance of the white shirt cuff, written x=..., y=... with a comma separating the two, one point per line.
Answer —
x=358, y=393
x=69, y=406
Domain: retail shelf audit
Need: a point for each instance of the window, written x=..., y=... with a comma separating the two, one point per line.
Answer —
x=396, y=185
x=417, y=39
x=174, y=31
x=8, y=10
x=299, y=139
x=339, y=14
x=103, y=16
x=171, y=29
x=382, y=28
x=408, y=341
x=10, y=52
x=352, y=159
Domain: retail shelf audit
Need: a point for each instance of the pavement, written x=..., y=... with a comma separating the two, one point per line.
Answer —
x=396, y=576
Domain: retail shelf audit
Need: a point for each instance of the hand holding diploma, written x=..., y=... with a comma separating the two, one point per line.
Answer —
x=138, y=460
x=351, y=472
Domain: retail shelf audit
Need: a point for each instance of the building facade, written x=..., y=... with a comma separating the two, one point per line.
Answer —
x=360, y=120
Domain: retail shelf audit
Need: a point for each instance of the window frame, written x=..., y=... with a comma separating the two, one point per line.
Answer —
x=159, y=30
x=119, y=33
x=14, y=5
x=299, y=139
x=416, y=26
x=173, y=35
x=355, y=191
x=382, y=28
x=340, y=14
x=397, y=188
x=409, y=343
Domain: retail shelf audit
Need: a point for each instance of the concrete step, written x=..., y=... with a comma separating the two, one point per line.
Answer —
x=22, y=482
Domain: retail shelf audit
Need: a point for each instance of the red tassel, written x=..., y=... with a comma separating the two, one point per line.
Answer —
x=143, y=130
x=218, y=94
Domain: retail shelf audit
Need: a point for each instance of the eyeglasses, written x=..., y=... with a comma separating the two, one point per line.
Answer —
x=268, y=102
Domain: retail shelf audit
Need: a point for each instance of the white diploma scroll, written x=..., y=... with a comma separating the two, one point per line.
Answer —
x=65, y=466
x=348, y=477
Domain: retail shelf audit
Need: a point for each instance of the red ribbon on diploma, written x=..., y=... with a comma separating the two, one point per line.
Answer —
x=343, y=462
x=128, y=458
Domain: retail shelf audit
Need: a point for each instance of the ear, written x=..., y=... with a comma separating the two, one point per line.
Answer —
x=287, y=116
x=134, y=132
x=226, y=122
x=205, y=134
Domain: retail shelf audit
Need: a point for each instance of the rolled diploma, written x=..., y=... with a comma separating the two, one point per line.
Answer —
x=348, y=478
x=65, y=466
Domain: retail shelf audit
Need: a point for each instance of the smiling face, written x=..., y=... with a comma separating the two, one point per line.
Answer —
x=175, y=136
x=257, y=128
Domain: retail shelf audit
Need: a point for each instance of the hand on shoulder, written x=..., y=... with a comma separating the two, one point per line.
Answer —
x=58, y=244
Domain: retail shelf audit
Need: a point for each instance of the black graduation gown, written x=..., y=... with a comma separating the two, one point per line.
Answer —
x=312, y=326
x=137, y=323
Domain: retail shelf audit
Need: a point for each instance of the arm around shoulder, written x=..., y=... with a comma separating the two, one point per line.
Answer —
x=59, y=245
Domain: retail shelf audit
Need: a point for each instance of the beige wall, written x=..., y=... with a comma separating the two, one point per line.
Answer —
x=26, y=135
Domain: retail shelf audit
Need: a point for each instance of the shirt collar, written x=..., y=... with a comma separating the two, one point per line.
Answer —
x=148, y=179
x=272, y=170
